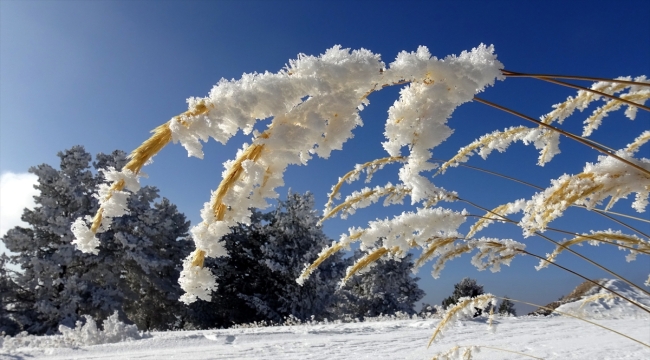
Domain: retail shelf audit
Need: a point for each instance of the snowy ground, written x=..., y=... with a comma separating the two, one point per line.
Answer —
x=553, y=337
x=549, y=338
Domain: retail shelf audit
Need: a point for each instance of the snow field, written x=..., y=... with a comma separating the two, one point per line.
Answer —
x=551, y=337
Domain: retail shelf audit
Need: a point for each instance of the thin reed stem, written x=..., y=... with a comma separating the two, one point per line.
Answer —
x=576, y=317
x=624, y=215
x=574, y=234
x=628, y=102
x=561, y=245
x=595, y=238
x=509, y=73
x=565, y=133
x=598, y=211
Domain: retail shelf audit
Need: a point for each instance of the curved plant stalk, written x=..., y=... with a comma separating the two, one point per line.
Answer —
x=600, y=93
x=601, y=237
x=577, y=317
x=480, y=301
x=372, y=166
x=598, y=211
x=139, y=157
x=364, y=262
x=389, y=191
x=509, y=73
x=585, y=236
x=565, y=133
x=638, y=142
x=506, y=219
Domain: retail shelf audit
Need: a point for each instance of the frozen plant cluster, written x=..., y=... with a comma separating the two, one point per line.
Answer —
x=314, y=104
x=608, y=178
x=84, y=334
x=465, y=308
x=113, y=203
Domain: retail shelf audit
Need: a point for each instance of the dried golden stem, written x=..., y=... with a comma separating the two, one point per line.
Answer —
x=449, y=314
x=198, y=257
x=324, y=255
x=610, y=106
x=162, y=135
x=377, y=162
x=389, y=191
x=365, y=261
x=565, y=133
x=638, y=142
x=253, y=152
x=478, y=143
x=491, y=215
x=506, y=219
x=509, y=73
x=628, y=102
x=642, y=246
x=429, y=251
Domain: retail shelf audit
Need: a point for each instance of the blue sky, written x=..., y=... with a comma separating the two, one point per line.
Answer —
x=104, y=73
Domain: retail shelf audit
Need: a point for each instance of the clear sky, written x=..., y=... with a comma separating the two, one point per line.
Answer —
x=104, y=73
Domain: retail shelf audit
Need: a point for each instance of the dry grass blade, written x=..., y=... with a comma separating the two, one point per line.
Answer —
x=364, y=262
x=454, y=311
x=253, y=153
x=97, y=219
x=466, y=151
x=458, y=251
x=162, y=135
x=565, y=133
x=390, y=191
x=324, y=255
x=594, y=121
x=509, y=73
x=605, y=296
x=371, y=165
x=495, y=214
x=600, y=93
x=584, y=188
x=429, y=251
x=603, y=237
x=198, y=258
x=638, y=142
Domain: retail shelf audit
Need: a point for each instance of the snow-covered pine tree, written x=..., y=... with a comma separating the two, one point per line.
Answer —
x=507, y=307
x=257, y=282
x=386, y=288
x=136, y=267
x=294, y=241
x=466, y=287
x=10, y=299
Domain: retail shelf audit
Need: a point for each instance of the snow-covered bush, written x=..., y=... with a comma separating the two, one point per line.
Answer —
x=83, y=334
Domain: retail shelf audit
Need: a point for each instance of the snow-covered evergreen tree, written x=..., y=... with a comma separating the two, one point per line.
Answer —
x=507, y=307
x=258, y=280
x=134, y=272
x=294, y=240
x=385, y=288
x=466, y=287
